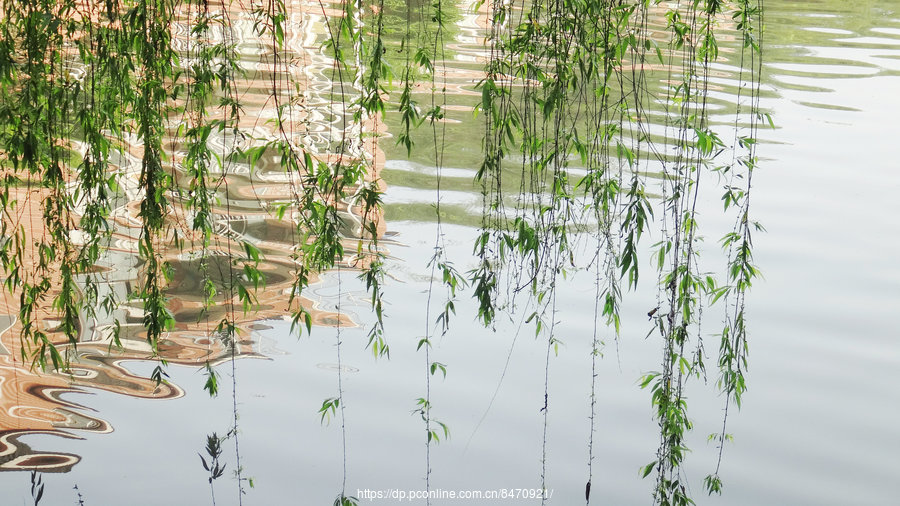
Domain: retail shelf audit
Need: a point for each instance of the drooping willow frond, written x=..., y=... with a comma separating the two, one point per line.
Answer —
x=596, y=132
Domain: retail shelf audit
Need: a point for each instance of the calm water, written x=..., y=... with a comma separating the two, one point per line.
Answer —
x=819, y=421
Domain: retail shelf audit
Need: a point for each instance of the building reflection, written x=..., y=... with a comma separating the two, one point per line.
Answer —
x=35, y=403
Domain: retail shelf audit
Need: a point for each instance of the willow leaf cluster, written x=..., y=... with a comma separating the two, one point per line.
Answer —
x=574, y=117
x=582, y=148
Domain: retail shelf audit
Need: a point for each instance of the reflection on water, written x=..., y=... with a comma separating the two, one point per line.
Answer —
x=33, y=402
x=818, y=424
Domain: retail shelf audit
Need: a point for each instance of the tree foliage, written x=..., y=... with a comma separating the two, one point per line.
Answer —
x=580, y=146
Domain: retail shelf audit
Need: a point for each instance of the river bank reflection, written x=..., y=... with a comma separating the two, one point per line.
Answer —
x=245, y=212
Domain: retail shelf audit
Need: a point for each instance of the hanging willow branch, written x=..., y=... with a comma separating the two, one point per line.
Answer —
x=569, y=80
x=596, y=130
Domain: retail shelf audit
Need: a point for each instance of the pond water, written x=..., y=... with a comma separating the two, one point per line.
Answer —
x=818, y=424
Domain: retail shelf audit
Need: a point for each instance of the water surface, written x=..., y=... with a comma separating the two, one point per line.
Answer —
x=819, y=420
